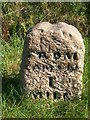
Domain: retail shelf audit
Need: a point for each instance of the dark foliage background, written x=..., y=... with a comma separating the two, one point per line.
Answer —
x=18, y=17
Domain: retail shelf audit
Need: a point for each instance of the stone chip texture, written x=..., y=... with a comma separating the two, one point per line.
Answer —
x=52, y=62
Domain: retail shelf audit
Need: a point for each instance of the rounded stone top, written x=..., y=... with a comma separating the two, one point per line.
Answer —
x=64, y=27
x=66, y=31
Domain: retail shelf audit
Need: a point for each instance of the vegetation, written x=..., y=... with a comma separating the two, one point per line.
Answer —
x=16, y=19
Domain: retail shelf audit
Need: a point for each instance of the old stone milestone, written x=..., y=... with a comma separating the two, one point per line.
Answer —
x=53, y=60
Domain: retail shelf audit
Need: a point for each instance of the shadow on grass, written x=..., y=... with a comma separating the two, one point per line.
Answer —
x=11, y=87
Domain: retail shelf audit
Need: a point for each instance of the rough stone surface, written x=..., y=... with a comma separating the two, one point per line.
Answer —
x=52, y=63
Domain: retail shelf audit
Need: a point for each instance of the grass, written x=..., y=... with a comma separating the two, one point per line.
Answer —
x=15, y=105
x=43, y=108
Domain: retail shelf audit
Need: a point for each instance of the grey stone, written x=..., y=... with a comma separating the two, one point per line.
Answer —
x=52, y=62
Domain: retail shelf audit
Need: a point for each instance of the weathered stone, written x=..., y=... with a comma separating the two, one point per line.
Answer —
x=53, y=59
